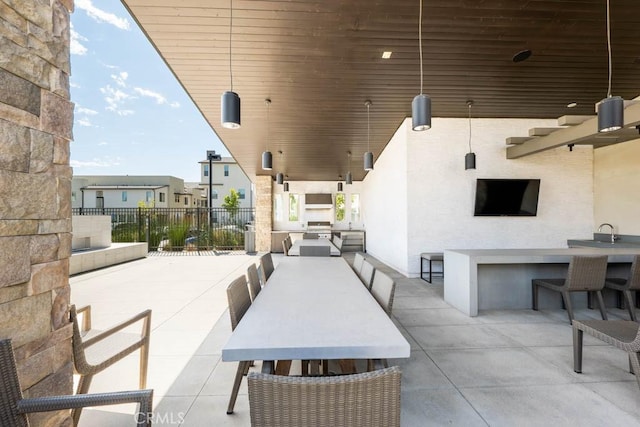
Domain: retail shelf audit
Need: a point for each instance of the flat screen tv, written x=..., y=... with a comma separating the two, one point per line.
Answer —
x=507, y=197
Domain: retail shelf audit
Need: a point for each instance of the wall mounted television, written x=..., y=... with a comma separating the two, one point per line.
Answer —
x=506, y=197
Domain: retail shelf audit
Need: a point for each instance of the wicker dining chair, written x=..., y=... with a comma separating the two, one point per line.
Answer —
x=369, y=399
x=366, y=273
x=266, y=264
x=585, y=274
x=96, y=350
x=628, y=286
x=14, y=408
x=254, y=281
x=315, y=250
x=623, y=334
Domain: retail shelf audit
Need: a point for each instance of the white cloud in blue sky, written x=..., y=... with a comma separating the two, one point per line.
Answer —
x=132, y=116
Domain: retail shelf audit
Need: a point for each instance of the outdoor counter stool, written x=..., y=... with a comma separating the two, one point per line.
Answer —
x=431, y=257
x=623, y=334
x=585, y=274
x=627, y=286
x=96, y=350
x=14, y=408
x=370, y=399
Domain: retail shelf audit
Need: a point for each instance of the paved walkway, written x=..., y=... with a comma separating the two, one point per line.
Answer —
x=502, y=368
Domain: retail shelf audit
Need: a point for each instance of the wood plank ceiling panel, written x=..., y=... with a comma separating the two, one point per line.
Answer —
x=318, y=61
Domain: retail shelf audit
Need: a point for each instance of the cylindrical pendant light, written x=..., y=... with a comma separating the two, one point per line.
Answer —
x=349, y=179
x=368, y=161
x=339, y=186
x=279, y=178
x=267, y=161
x=368, y=156
x=610, y=109
x=230, y=107
x=286, y=187
x=470, y=157
x=230, y=101
x=421, y=105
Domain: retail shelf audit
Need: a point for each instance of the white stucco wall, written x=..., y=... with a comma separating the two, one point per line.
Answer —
x=440, y=193
x=617, y=187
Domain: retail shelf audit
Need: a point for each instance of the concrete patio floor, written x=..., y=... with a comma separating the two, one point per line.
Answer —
x=502, y=368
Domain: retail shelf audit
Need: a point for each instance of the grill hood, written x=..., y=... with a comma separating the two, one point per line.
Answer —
x=318, y=201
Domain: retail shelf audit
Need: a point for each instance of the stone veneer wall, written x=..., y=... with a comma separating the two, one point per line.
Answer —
x=36, y=118
x=264, y=214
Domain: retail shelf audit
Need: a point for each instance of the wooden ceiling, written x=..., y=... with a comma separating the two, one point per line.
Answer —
x=318, y=61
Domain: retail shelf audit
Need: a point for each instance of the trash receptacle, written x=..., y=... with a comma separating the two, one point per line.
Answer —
x=250, y=238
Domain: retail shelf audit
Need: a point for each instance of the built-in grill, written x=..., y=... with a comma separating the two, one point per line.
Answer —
x=319, y=226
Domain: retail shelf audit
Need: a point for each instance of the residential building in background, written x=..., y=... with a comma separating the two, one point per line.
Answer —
x=225, y=175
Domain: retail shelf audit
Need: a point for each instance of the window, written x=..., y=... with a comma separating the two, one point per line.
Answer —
x=277, y=207
x=340, y=207
x=294, y=204
x=214, y=195
x=355, y=208
x=241, y=193
x=177, y=198
x=149, y=196
x=186, y=201
x=73, y=196
x=161, y=197
x=226, y=170
x=124, y=196
x=206, y=170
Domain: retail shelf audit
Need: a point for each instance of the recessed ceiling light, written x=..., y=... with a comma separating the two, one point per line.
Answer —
x=386, y=54
x=572, y=105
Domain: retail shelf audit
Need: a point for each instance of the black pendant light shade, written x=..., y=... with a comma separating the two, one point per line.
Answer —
x=286, y=187
x=279, y=178
x=267, y=161
x=610, y=114
x=421, y=112
x=230, y=108
x=470, y=161
x=339, y=186
x=349, y=179
x=368, y=161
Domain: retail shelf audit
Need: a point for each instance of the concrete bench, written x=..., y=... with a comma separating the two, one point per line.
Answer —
x=431, y=257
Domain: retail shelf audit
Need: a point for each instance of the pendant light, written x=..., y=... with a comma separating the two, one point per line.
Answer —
x=286, y=187
x=280, y=175
x=470, y=157
x=349, y=178
x=421, y=105
x=368, y=156
x=610, y=109
x=339, y=183
x=267, y=158
x=230, y=101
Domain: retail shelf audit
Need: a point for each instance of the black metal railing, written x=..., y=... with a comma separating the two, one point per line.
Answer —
x=177, y=229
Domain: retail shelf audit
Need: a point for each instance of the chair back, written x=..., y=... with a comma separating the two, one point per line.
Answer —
x=10, y=392
x=285, y=247
x=315, y=251
x=366, y=273
x=254, y=281
x=633, y=283
x=586, y=273
x=266, y=262
x=310, y=235
x=357, y=262
x=366, y=399
x=337, y=241
x=383, y=288
x=239, y=300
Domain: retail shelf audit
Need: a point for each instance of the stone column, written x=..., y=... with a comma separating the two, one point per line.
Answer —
x=264, y=213
x=36, y=118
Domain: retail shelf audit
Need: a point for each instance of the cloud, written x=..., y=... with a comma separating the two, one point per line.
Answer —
x=100, y=15
x=103, y=143
x=120, y=78
x=115, y=99
x=84, y=122
x=87, y=111
x=160, y=99
x=75, y=85
x=96, y=163
x=76, y=47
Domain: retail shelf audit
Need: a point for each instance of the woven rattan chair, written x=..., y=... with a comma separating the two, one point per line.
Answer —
x=628, y=286
x=254, y=281
x=623, y=334
x=383, y=289
x=266, y=264
x=239, y=302
x=585, y=274
x=358, y=259
x=14, y=408
x=369, y=399
x=366, y=273
x=96, y=350
x=315, y=251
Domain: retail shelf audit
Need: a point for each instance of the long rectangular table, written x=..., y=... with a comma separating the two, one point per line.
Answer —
x=315, y=308
x=295, y=247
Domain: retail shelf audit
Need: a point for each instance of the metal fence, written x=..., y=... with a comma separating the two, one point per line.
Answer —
x=178, y=229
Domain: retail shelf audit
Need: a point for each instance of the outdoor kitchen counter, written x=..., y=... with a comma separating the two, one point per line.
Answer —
x=489, y=279
x=359, y=244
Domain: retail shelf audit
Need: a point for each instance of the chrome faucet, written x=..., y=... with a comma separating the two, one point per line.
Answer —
x=613, y=236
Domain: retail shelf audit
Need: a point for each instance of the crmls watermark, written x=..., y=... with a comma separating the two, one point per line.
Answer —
x=161, y=418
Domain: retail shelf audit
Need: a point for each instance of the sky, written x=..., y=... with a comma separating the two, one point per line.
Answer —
x=132, y=117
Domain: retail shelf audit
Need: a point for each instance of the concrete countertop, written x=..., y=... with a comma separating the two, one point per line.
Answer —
x=544, y=255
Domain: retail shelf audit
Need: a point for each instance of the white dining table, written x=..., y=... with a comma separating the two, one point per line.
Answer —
x=315, y=308
x=295, y=247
